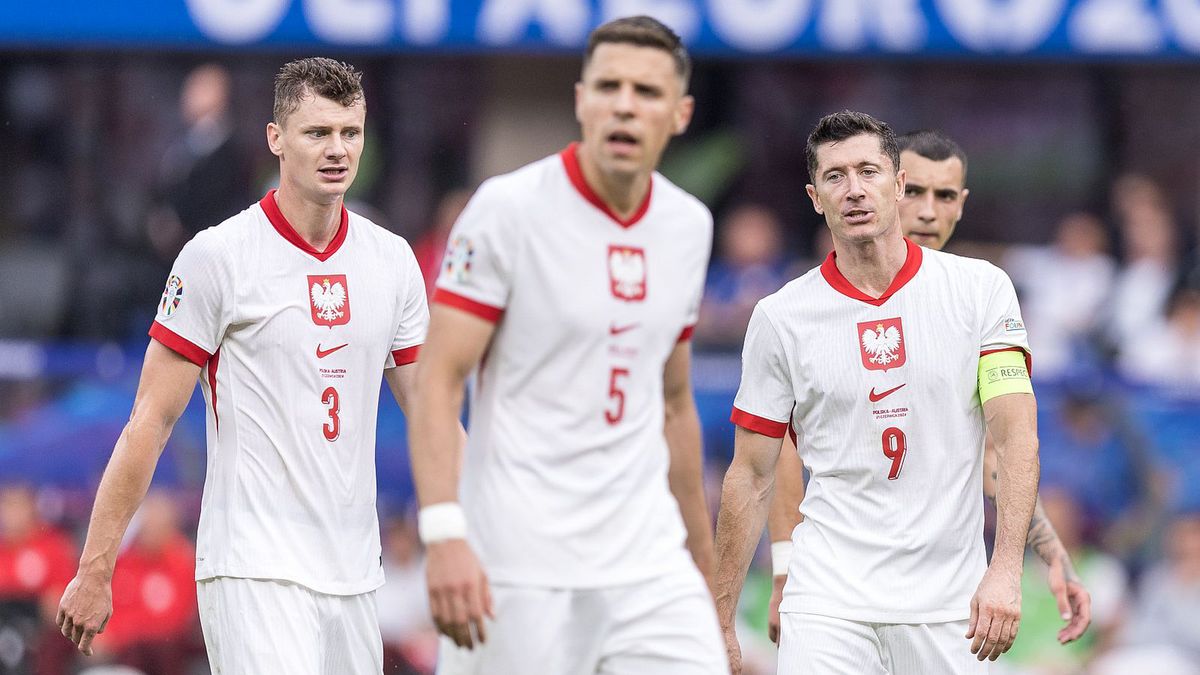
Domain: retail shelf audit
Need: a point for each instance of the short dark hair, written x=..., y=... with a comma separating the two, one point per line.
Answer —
x=643, y=31
x=846, y=124
x=932, y=144
x=315, y=76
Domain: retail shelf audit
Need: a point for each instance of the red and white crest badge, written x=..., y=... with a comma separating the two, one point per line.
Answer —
x=881, y=344
x=329, y=299
x=627, y=273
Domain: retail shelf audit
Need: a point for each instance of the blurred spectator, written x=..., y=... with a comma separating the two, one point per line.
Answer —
x=1063, y=286
x=37, y=560
x=431, y=246
x=155, y=622
x=409, y=638
x=1166, y=351
x=1037, y=649
x=203, y=179
x=750, y=264
x=1149, y=239
x=1167, y=614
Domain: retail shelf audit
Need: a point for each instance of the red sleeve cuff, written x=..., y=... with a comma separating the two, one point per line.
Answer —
x=1028, y=357
x=686, y=333
x=405, y=356
x=479, y=309
x=759, y=425
x=182, y=346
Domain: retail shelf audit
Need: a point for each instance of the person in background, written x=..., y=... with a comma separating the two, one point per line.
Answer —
x=431, y=245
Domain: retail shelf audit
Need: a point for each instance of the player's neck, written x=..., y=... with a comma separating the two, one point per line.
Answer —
x=870, y=266
x=623, y=193
x=317, y=224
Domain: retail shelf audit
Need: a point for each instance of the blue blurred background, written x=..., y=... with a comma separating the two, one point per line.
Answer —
x=130, y=126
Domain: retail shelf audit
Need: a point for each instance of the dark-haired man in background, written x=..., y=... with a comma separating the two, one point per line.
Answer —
x=571, y=286
x=885, y=361
x=288, y=313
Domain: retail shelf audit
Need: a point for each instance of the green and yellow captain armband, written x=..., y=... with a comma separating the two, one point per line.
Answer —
x=1003, y=373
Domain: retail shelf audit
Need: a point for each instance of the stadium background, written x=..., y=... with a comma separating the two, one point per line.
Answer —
x=128, y=126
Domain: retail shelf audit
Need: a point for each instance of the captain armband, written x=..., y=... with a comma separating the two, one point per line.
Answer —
x=1003, y=373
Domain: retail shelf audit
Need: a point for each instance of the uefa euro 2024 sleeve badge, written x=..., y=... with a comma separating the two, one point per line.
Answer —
x=881, y=344
x=171, y=297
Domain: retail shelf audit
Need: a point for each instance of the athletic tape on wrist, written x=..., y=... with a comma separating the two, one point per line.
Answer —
x=439, y=522
x=781, y=555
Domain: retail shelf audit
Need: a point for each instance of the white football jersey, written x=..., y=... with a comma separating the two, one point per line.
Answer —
x=294, y=343
x=883, y=397
x=565, y=478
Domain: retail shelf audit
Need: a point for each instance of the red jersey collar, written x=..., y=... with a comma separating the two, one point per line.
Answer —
x=570, y=160
x=912, y=263
x=285, y=229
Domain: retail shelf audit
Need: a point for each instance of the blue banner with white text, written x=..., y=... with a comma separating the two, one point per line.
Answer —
x=1155, y=29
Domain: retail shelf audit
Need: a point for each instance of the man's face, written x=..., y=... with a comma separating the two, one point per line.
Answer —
x=933, y=198
x=319, y=146
x=629, y=103
x=856, y=188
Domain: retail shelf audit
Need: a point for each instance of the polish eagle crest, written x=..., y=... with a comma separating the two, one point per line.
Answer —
x=882, y=344
x=328, y=299
x=627, y=272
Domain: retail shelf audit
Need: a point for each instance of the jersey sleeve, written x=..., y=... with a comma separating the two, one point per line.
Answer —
x=1003, y=328
x=765, y=397
x=414, y=314
x=697, y=293
x=193, y=312
x=477, y=269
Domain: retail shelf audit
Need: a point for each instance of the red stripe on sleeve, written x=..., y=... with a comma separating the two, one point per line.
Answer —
x=479, y=309
x=1028, y=358
x=759, y=425
x=179, y=345
x=686, y=333
x=405, y=356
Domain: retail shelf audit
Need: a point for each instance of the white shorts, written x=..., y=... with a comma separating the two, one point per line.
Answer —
x=667, y=626
x=821, y=645
x=264, y=627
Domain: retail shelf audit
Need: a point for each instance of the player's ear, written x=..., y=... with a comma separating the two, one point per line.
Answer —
x=962, y=201
x=579, y=101
x=812, y=194
x=683, y=113
x=901, y=179
x=274, y=132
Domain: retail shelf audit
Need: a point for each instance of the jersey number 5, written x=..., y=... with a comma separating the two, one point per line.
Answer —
x=333, y=428
x=616, y=393
x=894, y=447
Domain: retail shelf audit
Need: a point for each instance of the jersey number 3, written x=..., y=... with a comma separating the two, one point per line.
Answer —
x=894, y=447
x=333, y=427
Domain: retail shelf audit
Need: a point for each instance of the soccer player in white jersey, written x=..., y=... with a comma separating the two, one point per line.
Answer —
x=935, y=172
x=571, y=287
x=885, y=362
x=289, y=314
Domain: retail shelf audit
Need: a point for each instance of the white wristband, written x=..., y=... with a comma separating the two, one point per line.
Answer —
x=781, y=555
x=439, y=522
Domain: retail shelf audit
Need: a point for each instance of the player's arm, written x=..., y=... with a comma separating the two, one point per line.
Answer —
x=1074, y=601
x=459, y=597
x=782, y=518
x=686, y=476
x=1011, y=413
x=745, y=500
x=166, y=385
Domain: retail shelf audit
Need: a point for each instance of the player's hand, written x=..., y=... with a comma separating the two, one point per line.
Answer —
x=733, y=650
x=84, y=610
x=459, y=595
x=995, y=613
x=1074, y=601
x=773, y=607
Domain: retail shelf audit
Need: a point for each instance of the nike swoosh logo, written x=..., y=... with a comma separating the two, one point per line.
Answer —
x=875, y=398
x=322, y=353
x=614, y=329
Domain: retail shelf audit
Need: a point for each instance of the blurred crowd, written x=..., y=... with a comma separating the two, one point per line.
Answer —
x=1111, y=299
